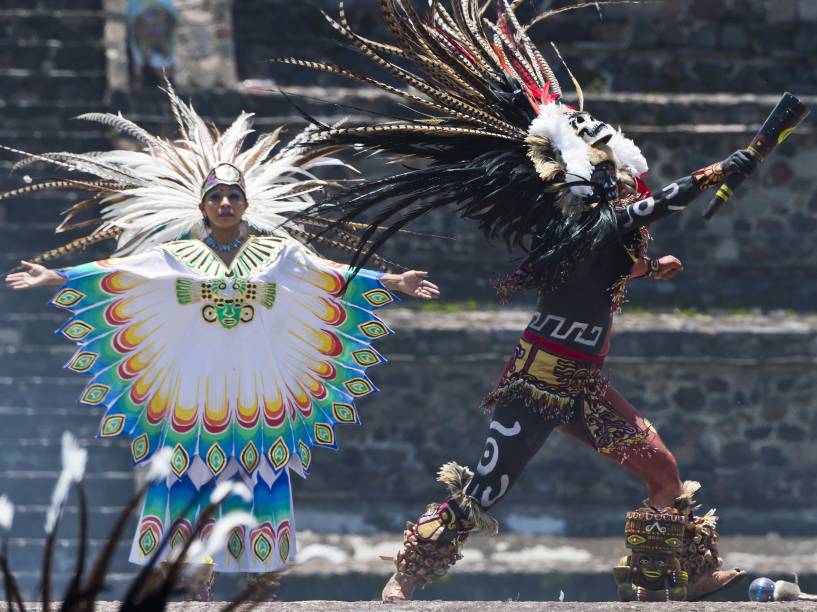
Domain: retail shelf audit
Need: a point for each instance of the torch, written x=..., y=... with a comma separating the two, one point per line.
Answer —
x=781, y=122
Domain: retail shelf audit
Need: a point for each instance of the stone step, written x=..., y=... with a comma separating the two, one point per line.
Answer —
x=44, y=23
x=52, y=54
x=675, y=112
x=507, y=569
x=29, y=521
x=47, y=6
x=54, y=83
x=34, y=361
x=102, y=487
x=38, y=391
x=28, y=552
x=22, y=105
x=672, y=46
x=24, y=425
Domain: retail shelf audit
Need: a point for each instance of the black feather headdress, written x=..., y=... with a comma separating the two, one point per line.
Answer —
x=487, y=131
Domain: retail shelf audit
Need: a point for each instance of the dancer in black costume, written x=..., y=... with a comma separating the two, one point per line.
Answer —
x=503, y=148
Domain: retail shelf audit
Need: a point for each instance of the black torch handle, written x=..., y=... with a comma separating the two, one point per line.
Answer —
x=781, y=122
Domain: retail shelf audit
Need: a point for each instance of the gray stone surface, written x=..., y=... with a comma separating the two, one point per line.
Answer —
x=468, y=606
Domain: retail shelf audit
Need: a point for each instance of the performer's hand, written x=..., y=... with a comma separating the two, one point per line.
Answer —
x=33, y=275
x=742, y=161
x=668, y=267
x=414, y=283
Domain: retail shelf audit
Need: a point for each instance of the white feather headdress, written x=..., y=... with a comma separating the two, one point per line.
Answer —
x=144, y=198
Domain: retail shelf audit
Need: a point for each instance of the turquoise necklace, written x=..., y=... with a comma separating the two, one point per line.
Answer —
x=221, y=246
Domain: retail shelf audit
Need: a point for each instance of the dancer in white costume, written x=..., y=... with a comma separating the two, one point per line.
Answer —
x=214, y=332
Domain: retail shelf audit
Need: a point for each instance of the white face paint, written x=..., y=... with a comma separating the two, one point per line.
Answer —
x=589, y=129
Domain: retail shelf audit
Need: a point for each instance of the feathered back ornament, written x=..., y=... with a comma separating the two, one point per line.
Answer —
x=488, y=118
x=147, y=197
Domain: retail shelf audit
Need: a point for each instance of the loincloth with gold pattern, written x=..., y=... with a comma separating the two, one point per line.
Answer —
x=563, y=391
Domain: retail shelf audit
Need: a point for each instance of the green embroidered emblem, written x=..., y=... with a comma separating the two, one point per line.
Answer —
x=180, y=460
x=147, y=542
x=283, y=546
x=324, y=434
x=178, y=539
x=67, y=298
x=378, y=297
x=77, y=330
x=216, y=459
x=82, y=362
x=94, y=394
x=366, y=357
x=358, y=387
x=373, y=329
x=344, y=413
x=278, y=454
x=257, y=253
x=262, y=547
x=306, y=456
x=112, y=425
x=235, y=544
x=227, y=299
x=139, y=447
x=249, y=457
x=228, y=295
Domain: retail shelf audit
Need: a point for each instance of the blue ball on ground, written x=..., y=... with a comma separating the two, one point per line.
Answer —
x=761, y=589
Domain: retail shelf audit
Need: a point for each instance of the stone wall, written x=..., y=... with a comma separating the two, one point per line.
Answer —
x=734, y=397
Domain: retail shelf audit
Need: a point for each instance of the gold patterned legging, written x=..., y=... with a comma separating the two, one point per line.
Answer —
x=516, y=433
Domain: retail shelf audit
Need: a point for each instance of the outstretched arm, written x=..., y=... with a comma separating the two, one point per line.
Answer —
x=33, y=275
x=678, y=195
x=412, y=283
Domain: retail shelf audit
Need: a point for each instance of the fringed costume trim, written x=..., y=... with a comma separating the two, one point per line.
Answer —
x=456, y=478
x=567, y=391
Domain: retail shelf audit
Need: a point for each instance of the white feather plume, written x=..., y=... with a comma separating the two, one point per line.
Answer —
x=6, y=513
x=74, y=460
x=627, y=153
x=156, y=192
x=552, y=123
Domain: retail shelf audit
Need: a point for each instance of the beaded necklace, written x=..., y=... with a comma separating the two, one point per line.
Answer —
x=221, y=246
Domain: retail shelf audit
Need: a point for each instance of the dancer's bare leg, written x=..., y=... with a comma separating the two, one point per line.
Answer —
x=655, y=466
